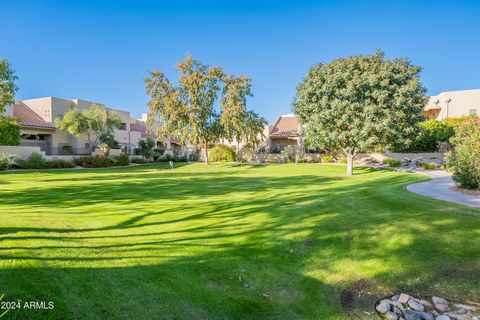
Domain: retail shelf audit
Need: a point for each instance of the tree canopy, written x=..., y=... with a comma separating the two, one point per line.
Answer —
x=354, y=104
x=95, y=122
x=7, y=85
x=189, y=111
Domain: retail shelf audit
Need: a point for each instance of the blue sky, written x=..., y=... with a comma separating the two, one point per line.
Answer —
x=101, y=50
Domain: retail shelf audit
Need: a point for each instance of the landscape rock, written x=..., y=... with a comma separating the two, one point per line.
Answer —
x=407, y=307
x=438, y=300
x=426, y=303
x=383, y=307
x=442, y=307
x=403, y=298
x=391, y=315
x=415, y=305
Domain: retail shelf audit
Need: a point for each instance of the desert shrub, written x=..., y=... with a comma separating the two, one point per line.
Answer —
x=391, y=162
x=93, y=161
x=7, y=161
x=301, y=161
x=60, y=164
x=177, y=158
x=313, y=161
x=138, y=160
x=428, y=165
x=326, y=159
x=121, y=160
x=9, y=132
x=156, y=155
x=34, y=161
x=194, y=156
x=465, y=158
x=221, y=152
x=342, y=160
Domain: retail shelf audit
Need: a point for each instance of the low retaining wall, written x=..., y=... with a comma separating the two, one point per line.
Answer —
x=23, y=152
x=440, y=157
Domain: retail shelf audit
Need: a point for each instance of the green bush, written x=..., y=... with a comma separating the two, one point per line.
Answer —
x=391, y=162
x=145, y=148
x=9, y=133
x=313, y=161
x=221, y=152
x=34, y=161
x=429, y=135
x=179, y=158
x=93, y=162
x=342, y=160
x=60, y=164
x=301, y=161
x=428, y=165
x=326, y=159
x=464, y=159
x=7, y=161
x=121, y=160
x=138, y=160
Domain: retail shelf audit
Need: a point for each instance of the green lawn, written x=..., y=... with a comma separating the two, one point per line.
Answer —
x=226, y=241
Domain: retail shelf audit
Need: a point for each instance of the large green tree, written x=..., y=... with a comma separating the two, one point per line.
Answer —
x=238, y=123
x=94, y=122
x=7, y=85
x=188, y=111
x=354, y=104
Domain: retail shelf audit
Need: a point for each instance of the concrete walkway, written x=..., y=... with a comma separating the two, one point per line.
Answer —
x=440, y=187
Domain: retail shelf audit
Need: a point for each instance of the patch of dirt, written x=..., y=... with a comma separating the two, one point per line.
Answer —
x=358, y=299
x=465, y=191
x=309, y=243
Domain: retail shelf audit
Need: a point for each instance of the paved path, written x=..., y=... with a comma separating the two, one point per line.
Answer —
x=440, y=188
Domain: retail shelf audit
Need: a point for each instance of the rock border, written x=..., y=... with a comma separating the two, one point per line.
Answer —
x=404, y=306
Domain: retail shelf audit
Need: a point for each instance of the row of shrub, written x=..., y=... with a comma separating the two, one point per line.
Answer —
x=37, y=161
x=34, y=161
x=430, y=135
x=102, y=161
x=323, y=159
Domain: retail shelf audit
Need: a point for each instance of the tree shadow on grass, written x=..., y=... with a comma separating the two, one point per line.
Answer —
x=230, y=250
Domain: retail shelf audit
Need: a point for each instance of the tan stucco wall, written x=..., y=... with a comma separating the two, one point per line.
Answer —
x=22, y=152
x=461, y=102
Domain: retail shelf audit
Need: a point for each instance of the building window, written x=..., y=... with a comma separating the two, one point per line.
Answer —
x=473, y=111
x=123, y=126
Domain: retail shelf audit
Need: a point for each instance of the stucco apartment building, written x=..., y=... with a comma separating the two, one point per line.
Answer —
x=287, y=130
x=453, y=104
x=37, y=126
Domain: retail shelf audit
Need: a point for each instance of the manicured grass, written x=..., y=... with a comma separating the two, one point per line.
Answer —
x=225, y=241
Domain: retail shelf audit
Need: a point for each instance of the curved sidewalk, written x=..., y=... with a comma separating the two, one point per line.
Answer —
x=440, y=187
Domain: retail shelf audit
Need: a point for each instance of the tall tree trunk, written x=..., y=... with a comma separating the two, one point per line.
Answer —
x=206, y=151
x=349, y=164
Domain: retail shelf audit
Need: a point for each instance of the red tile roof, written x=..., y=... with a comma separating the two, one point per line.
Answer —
x=28, y=118
x=286, y=126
